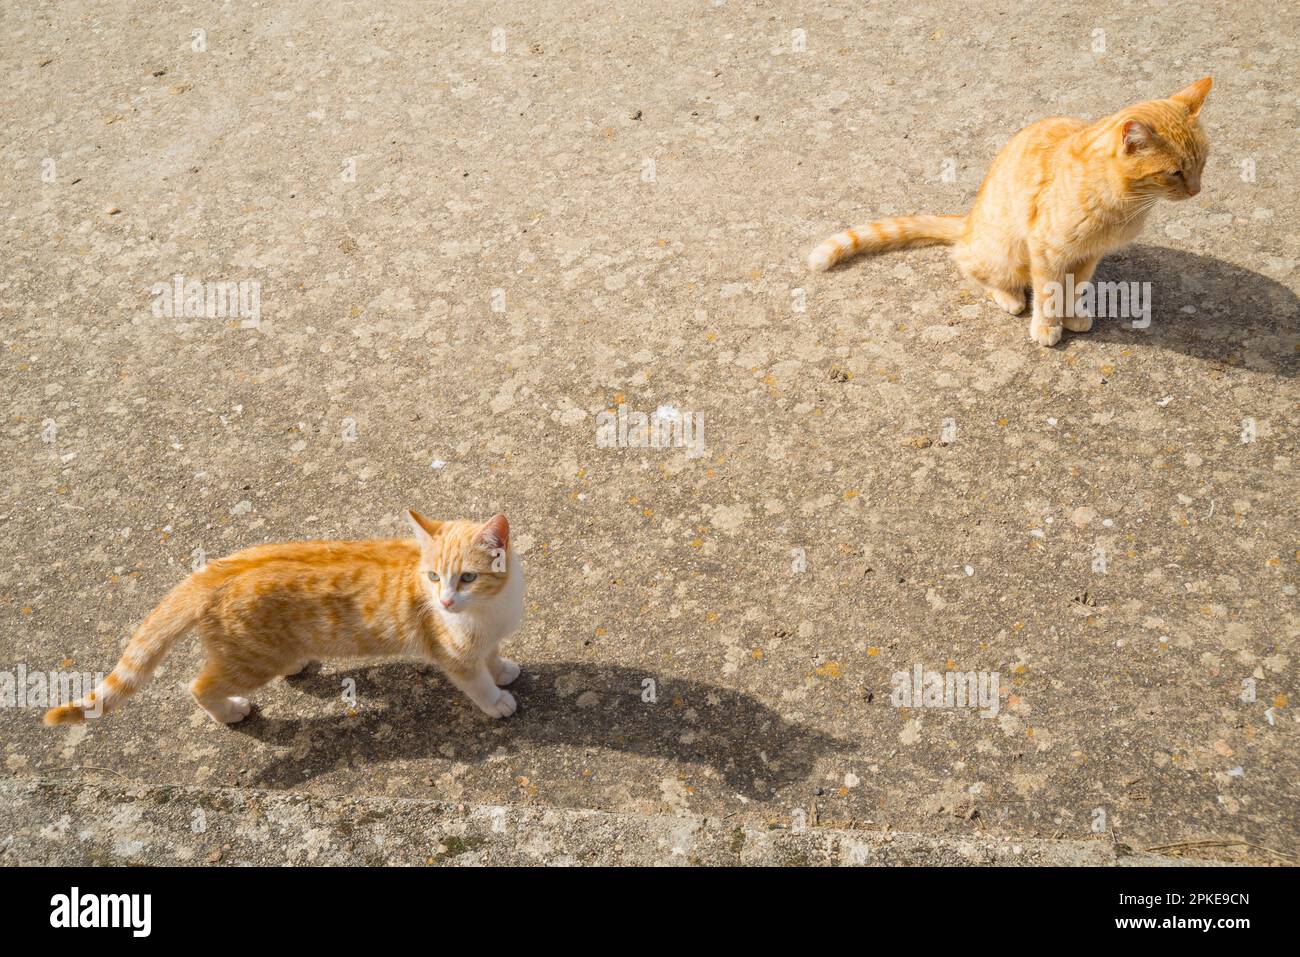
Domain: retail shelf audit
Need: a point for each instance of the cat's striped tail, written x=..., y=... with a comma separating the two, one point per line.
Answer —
x=882, y=234
x=173, y=617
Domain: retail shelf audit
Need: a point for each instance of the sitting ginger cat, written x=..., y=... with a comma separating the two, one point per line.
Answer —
x=1059, y=196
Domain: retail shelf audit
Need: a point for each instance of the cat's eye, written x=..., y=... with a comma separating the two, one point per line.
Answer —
x=433, y=576
x=1178, y=173
x=467, y=577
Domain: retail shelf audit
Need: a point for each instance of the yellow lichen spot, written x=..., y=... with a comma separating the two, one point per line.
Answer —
x=951, y=664
x=1018, y=670
x=619, y=397
x=830, y=670
x=647, y=512
x=27, y=609
x=711, y=616
x=582, y=473
x=66, y=663
x=1002, y=423
x=756, y=654
x=1108, y=370
x=697, y=543
x=873, y=651
x=850, y=493
x=600, y=632
x=632, y=500
x=1280, y=701
x=1273, y=562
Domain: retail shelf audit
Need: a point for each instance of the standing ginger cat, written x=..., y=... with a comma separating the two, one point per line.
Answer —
x=450, y=595
x=1059, y=196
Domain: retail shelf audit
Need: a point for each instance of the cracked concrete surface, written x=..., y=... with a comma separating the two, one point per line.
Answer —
x=465, y=254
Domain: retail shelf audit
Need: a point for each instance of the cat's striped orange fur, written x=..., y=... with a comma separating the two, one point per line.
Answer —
x=1059, y=196
x=449, y=595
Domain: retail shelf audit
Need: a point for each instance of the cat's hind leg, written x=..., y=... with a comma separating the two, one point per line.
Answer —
x=1004, y=282
x=221, y=689
x=1011, y=300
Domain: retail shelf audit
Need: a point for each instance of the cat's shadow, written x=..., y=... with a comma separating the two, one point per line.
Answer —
x=1205, y=308
x=407, y=711
x=1200, y=306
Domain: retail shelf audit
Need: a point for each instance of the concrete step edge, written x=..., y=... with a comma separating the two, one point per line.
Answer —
x=51, y=822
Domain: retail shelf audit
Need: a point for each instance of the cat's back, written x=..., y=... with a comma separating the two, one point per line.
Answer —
x=1035, y=144
x=310, y=562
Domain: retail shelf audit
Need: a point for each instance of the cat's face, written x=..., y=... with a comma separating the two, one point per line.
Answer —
x=464, y=565
x=1162, y=147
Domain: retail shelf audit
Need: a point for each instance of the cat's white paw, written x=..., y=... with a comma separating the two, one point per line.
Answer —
x=1044, y=334
x=1079, y=322
x=503, y=707
x=507, y=672
x=229, y=710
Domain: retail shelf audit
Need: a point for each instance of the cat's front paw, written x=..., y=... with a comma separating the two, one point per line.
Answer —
x=506, y=672
x=1044, y=334
x=1079, y=322
x=503, y=707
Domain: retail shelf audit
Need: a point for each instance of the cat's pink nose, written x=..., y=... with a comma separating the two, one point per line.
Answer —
x=447, y=603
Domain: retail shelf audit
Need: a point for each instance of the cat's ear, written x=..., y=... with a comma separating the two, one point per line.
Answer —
x=1135, y=136
x=1193, y=96
x=426, y=529
x=494, y=534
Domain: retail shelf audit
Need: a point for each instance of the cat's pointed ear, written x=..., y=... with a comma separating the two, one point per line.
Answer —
x=1135, y=136
x=1193, y=96
x=426, y=529
x=494, y=534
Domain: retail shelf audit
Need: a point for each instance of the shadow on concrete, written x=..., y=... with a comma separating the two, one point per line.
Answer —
x=564, y=703
x=1241, y=317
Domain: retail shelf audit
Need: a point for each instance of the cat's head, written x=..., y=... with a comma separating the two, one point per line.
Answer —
x=1160, y=144
x=464, y=565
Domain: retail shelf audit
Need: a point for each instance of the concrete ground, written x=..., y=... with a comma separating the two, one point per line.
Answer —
x=475, y=228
